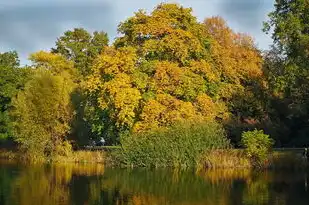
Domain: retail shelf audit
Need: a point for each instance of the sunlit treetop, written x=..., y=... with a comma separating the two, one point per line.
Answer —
x=170, y=32
x=55, y=63
x=234, y=54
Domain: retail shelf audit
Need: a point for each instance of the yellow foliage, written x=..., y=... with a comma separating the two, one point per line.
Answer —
x=164, y=111
x=167, y=67
x=174, y=46
x=167, y=76
x=119, y=95
x=234, y=54
x=210, y=109
x=168, y=33
x=113, y=61
x=206, y=70
x=112, y=81
x=43, y=112
x=56, y=63
x=180, y=82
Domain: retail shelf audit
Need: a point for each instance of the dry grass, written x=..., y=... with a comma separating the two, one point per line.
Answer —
x=8, y=155
x=83, y=157
x=73, y=157
x=234, y=158
x=228, y=158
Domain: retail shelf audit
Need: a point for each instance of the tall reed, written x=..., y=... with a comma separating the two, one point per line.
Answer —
x=180, y=145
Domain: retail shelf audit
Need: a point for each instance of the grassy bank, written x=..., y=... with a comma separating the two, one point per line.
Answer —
x=224, y=158
x=236, y=158
x=83, y=156
x=215, y=159
x=9, y=155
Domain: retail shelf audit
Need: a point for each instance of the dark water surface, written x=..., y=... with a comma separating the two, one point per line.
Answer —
x=87, y=184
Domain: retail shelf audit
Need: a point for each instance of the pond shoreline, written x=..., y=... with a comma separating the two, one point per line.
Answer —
x=217, y=159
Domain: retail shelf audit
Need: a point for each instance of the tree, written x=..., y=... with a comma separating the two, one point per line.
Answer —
x=9, y=59
x=235, y=55
x=43, y=110
x=167, y=67
x=169, y=33
x=289, y=22
x=287, y=67
x=81, y=47
x=12, y=79
x=241, y=81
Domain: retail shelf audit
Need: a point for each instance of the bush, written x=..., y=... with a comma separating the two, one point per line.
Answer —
x=180, y=145
x=257, y=145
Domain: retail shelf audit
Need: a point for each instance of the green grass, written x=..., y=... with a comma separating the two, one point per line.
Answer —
x=178, y=146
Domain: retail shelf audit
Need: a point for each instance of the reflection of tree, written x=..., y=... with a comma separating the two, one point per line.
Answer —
x=37, y=185
x=279, y=187
x=182, y=187
x=6, y=179
x=47, y=184
x=288, y=187
x=256, y=191
x=87, y=184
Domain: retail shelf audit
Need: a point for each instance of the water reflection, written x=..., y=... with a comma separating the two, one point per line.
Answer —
x=93, y=184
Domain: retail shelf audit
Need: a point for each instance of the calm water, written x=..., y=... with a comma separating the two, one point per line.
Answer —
x=95, y=185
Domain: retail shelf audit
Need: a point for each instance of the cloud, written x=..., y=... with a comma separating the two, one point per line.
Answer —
x=33, y=27
x=247, y=13
x=30, y=25
x=5, y=3
x=247, y=16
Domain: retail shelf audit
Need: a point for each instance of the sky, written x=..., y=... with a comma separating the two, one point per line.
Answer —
x=28, y=26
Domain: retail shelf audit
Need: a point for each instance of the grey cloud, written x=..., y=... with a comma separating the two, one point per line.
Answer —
x=248, y=16
x=247, y=13
x=31, y=25
x=27, y=28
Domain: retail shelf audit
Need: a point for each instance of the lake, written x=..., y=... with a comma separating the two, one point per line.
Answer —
x=88, y=184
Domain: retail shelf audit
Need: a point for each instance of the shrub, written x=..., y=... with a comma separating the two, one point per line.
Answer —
x=180, y=145
x=257, y=145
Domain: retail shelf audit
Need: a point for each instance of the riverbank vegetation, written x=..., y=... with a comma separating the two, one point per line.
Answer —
x=181, y=145
x=212, y=160
x=170, y=91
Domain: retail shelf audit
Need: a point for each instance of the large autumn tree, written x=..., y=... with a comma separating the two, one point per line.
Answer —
x=240, y=84
x=168, y=67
